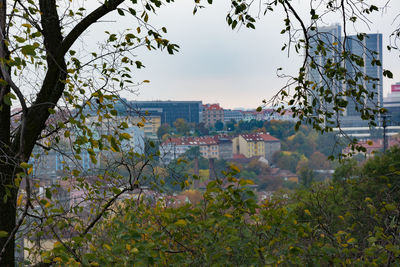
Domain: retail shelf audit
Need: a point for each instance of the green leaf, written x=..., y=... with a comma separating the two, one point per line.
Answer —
x=388, y=74
x=114, y=144
x=3, y=234
x=25, y=165
x=28, y=50
x=120, y=12
x=48, y=193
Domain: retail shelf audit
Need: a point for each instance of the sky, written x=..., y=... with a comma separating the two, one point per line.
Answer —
x=237, y=69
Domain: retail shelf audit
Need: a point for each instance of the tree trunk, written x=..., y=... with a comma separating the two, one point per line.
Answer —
x=8, y=196
x=18, y=148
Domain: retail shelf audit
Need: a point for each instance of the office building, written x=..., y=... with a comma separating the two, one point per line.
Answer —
x=168, y=111
x=369, y=49
x=235, y=115
x=331, y=38
x=392, y=104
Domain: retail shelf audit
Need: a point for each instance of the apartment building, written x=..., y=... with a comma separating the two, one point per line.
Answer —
x=211, y=114
x=256, y=144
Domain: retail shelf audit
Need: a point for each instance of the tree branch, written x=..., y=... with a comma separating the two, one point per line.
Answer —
x=82, y=26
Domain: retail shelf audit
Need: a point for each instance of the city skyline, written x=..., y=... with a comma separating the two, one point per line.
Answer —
x=234, y=68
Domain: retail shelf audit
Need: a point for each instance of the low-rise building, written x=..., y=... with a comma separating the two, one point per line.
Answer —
x=173, y=148
x=232, y=115
x=256, y=144
x=210, y=147
x=225, y=148
x=272, y=145
x=249, y=145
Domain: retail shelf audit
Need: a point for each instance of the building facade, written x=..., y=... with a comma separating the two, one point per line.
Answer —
x=168, y=111
x=392, y=104
x=249, y=145
x=225, y=148
x=331, y=38
x=211, y=114
x=256, y=144
x=369, y=50
x=235, y=115
x=271, y=144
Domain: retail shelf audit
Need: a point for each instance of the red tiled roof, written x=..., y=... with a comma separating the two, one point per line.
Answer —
x=268, y=137
x=192, y=141
x=259, y=137
x=213, y=107
x=252, y=137
x=239, y=156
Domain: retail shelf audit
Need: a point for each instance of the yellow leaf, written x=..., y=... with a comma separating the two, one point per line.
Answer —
x=234, y=168
x=25, y=165
x=92, y=247
x=107, y=247
x=26, y=25
x=245, y=182
x=128, y=247
x=228, y=215
x=180, y=222
x=351, y=240
x=125, y=136
x=307, y=212
x=341, y=217
x=19, y=201
x=58, y=259
x=135, y=250
x=335, y=43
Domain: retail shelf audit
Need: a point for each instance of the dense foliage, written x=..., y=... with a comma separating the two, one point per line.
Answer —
x=354, y=221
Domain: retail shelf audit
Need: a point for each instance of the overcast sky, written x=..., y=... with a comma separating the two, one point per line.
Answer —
x=233, y=68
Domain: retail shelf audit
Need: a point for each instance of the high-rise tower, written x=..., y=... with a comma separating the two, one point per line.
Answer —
x=326, y=48
x=369, y=49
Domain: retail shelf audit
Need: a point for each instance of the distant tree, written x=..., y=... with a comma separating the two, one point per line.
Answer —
x=287, y=160
x=331, y=144
x=181, y=126
x=301, y=143
x=248, y=126
x=230, y=125
x=219, y=126
x=258, y=167
x=163, y=129
x=347, y=170
x=201, y=129
x=280, y=129
x=319, y=161
x=192, y=153
x=306, y=176
x=268, y=182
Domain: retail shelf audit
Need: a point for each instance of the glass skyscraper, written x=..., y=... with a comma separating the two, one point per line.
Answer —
x=367, y=49
x=325, y=47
